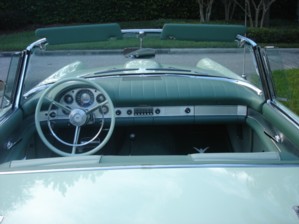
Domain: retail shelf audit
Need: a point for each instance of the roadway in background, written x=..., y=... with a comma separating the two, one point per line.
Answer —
x=290, y=59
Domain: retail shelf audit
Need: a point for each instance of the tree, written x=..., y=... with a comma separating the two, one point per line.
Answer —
x=247, y=10
x=260, y=8
x=266, y=4
x=229, y=9
x=205, y=9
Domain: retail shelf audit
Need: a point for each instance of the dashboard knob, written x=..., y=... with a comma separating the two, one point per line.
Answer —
x=104, y=109
x=187, y=110
x=52, y=114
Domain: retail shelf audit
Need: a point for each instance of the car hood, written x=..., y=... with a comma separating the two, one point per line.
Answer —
x=193, y=194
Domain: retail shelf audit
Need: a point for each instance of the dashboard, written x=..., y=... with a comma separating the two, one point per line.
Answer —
x=89, y=98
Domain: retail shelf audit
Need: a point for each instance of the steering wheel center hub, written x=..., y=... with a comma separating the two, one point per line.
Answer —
x=78, y=117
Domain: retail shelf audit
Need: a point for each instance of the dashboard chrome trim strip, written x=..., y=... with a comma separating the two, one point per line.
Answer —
x=169, y=111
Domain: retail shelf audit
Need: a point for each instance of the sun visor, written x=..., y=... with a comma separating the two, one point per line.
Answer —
x=80, y=34
x=202, y=32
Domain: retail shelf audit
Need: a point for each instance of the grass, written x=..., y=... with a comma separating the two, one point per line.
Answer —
x=286, y=84
x=16, y=41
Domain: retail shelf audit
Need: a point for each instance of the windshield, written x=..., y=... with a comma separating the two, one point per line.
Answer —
x=233, y=62
x=285, y=70
x=8, y=93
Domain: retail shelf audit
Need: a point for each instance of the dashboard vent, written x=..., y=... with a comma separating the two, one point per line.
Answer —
x=143, y=111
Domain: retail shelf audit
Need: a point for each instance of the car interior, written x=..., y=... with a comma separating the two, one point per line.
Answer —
x=201, y=118
x=209, y=127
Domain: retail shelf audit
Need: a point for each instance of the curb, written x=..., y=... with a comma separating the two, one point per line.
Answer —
x=7, y=53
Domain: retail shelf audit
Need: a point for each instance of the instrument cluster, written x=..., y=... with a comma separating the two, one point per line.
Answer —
x=82, y=97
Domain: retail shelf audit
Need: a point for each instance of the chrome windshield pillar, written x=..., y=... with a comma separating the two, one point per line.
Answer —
x=39, y=43
x=260, y=64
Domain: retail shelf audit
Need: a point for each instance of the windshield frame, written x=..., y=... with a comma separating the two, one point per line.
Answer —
x=242, y=41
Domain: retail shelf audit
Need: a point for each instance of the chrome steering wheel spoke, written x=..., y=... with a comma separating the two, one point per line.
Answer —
x=97, y=107
x=61, y=106
x=76, y=139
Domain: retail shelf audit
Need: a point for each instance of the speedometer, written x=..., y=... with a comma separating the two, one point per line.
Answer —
x=84, y=98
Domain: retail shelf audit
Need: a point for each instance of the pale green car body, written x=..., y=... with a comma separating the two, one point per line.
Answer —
x=195, y=194
x=101, y=137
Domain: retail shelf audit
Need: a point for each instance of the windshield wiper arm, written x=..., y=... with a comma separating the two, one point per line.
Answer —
x=169, y=69
x=117, y=70
x=96, y=74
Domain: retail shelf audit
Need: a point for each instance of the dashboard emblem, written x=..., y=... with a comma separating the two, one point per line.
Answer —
x=200, y=150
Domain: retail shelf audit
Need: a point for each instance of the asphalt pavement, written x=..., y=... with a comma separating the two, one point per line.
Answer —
x=189, y=57
x=4, y=65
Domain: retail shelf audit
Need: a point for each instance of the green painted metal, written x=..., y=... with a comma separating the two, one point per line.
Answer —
x=8, y=124
x=282, y=123
x=151, y=195
x=202, y=32
x=79, y=34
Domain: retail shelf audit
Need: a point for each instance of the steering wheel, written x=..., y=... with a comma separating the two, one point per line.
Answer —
x=77, y=117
